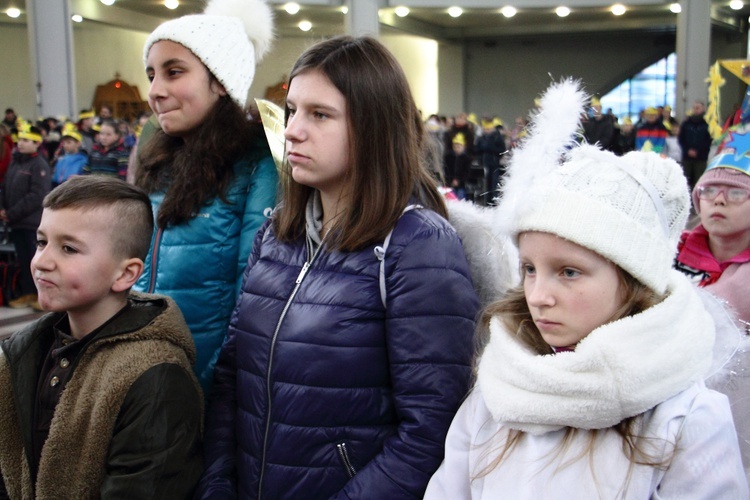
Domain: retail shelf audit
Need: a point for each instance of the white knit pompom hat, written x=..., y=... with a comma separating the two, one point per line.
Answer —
x=630, y=210
x=230, y=38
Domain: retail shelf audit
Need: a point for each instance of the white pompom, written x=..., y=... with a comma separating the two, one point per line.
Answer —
x=256, y=16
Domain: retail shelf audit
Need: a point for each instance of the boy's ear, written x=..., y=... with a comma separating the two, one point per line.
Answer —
x=130, y=271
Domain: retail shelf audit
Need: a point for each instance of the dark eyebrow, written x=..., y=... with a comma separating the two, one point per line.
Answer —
x=167, y=63
x=316, y=105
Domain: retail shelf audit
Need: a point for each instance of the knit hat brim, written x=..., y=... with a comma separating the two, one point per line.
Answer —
x=230, y=38
x=721, y=175
x=641, y=251
x=221, y=45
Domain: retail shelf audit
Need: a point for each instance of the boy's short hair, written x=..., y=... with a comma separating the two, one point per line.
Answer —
x=133, y=224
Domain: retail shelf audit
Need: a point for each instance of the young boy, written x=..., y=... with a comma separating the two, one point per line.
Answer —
x=98, y=398
x=26, y=184
x=716, y=253
x=74, y=159
x=457, y=166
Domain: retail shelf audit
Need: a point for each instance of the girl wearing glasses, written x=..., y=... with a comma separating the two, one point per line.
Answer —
x=715, y=256
x=716, y=252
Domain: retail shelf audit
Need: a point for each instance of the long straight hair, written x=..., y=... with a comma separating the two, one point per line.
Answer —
x=386, y=140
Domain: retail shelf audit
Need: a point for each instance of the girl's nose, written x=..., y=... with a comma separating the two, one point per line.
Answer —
x=721, y=198
x=156, y=89
x=538, y=293
x=294, y=131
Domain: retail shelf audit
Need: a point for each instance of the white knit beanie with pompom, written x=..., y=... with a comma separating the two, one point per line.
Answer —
x=229, y=38
x=630, y=210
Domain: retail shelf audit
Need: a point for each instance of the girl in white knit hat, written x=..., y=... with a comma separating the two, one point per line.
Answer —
x=208, y=170
x=591, y=384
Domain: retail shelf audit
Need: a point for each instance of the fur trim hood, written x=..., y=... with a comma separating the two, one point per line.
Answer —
x=493, y=259
x=168, y=326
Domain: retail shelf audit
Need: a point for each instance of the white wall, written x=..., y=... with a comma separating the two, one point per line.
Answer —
x=485, y=78
x=16, y=88
x=102, y=51
x=419, y=58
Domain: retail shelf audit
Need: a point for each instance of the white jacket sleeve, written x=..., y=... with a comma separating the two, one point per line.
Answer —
x=706, y=463
x=453, y=479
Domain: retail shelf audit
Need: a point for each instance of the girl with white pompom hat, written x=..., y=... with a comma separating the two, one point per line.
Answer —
x=591, y=384
x=208, y=170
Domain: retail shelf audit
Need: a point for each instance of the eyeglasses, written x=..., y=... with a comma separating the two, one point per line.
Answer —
x=731, y=194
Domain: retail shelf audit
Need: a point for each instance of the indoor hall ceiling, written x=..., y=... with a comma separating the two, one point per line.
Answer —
x=328, y=19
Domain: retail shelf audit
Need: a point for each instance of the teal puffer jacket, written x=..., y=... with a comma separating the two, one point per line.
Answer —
x=199, y=263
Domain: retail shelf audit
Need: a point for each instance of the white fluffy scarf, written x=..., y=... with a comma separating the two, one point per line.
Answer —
x=618, y=371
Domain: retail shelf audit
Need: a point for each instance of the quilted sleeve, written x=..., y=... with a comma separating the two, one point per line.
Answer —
x=430, y=320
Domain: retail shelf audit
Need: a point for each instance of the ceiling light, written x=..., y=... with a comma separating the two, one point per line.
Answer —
x=736, y=5
x=76, y=18
x=13, y=12
x=508, y=11
x=455, y=11
x=402, y=11
x=562, y=11
x=107, y=2
x=305, y=25
x=171, y=4
x=344, y=9
x=291, y=8
x=618, y=9
x=675, y=8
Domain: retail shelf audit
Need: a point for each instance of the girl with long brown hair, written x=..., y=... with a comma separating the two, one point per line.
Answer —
x=351, y=344
x=208, y=169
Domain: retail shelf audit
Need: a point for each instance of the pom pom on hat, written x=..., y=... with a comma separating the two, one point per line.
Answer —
x=630, y=210
x=229, y=38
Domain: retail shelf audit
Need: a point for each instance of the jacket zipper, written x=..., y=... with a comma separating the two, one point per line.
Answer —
x=341, y=447
x=154, y=258
x=297, y=283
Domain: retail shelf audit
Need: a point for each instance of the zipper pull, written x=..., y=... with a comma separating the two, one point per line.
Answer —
x=303, y=272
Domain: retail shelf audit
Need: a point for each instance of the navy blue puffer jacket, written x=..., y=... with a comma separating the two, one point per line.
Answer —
x=320, y=390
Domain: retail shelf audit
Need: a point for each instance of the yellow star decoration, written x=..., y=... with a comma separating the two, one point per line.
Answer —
x=272, y=116
x=738, y=67
x=715, y=82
